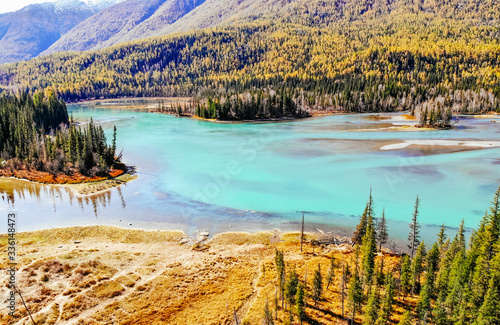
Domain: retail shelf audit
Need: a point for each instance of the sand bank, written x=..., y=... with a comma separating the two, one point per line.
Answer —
x=474, y=144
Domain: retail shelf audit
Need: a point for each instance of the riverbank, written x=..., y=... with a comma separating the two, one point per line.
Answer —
x=81, y=185
x=106, y=275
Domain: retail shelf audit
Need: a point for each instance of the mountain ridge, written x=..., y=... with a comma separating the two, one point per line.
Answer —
x=183, y=15
x=27, y=32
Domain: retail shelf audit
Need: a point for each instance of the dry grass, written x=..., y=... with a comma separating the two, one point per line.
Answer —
x=118, y=276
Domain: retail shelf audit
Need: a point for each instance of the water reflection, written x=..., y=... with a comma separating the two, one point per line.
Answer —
x=14, y=191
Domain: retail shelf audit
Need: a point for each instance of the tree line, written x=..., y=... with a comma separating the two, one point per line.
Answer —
x=37, y=134
x=452, y=281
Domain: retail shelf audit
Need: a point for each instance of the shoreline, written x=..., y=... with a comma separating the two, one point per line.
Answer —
x=80, y=234
x=150, y=106
x=89, y=188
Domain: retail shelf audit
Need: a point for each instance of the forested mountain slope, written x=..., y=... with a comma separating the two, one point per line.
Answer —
x=136, y=19
x=386, y=57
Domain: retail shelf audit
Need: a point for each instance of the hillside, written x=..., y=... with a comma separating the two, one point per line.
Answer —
x=401, y=60
x=80, y=25
x=134, y=19
x=26, y=33
x=110, y=25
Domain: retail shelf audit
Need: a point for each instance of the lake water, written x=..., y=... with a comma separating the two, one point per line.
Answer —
x=197, y=175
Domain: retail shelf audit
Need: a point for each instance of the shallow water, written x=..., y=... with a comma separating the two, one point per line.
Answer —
x=221, y=176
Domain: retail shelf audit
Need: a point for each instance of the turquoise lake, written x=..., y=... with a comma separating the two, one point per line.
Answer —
x=198, y=175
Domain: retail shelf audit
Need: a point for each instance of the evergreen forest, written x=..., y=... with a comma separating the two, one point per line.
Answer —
x=37, y=134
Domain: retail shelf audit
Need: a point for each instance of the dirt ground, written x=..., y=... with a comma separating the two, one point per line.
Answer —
x=107, y=275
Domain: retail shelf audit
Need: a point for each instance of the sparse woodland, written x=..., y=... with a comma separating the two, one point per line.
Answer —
x=453, y=281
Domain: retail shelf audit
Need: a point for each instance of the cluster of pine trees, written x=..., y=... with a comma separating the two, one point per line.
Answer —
x=388, y=60
x=436, y=117
x=450, y=282
x=37, y=134
x=249, y=106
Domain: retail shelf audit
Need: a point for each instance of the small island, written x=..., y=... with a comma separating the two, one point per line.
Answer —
x=262, y=105
x=39, y=142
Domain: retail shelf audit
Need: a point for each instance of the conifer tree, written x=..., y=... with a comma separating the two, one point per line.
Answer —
x=489, y=313
x=279, y=261
x=387, y=303
x=414, y=237
x=371, y=309
x=291, y=287
x=424, y=304
x=355, y=294
x=382, y=235
x=331, y=272
x=380, y=276
x=317, y=288
x=113, y=143
x=417, y=268
x=343, y=287
x=405, y=276
x=440, y=314
x=432, y=267
x=300, y=302
x=361, y=228
x=441, y=237
x=368, y=250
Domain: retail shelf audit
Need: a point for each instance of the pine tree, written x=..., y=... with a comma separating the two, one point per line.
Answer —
x=291, y=287
x=440, y=314
x=361, y=228
x=317, y=288
x=279, y=261
x=382, y=235
x=413, y=237
x=424, y=304
x=368, y=249
x=417, y=268
x=387, y=303
x=113, y=143
x=405, y=275
x=432, y=267
x=300, y=302
x=355, y=294
x=343, y=286
x=441, y=237
x=489, y=313
x=371, y=309
x=331, y=272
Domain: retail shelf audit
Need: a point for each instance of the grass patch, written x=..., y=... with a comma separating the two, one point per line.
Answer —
x=108, y=289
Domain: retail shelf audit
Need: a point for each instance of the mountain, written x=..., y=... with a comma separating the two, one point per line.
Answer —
x=357, y=56
x=114, y=24
x=29, y=31
x=129, y=20
x=136, y=19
